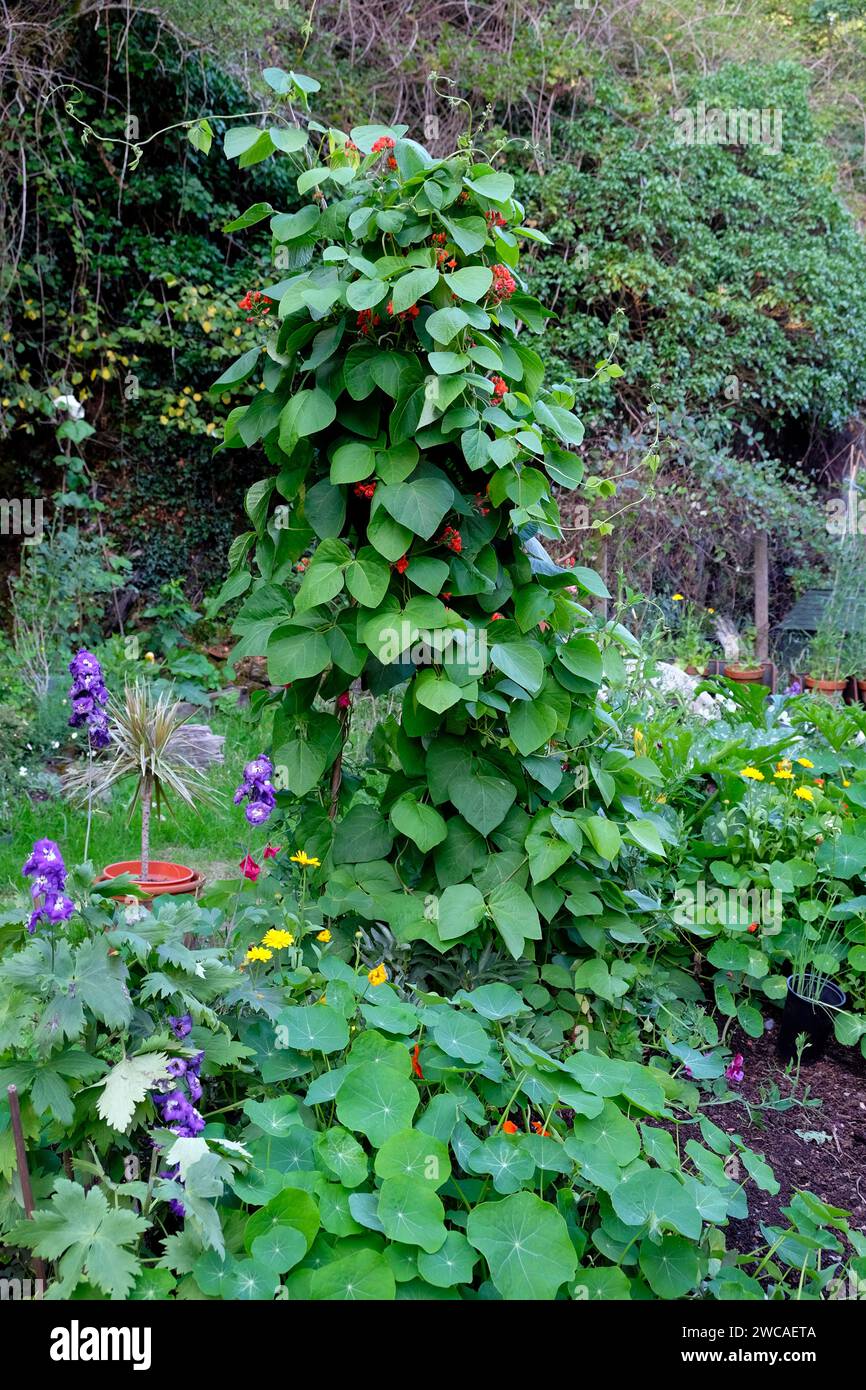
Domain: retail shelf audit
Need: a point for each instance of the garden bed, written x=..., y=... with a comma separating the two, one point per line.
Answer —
x=835, y=1169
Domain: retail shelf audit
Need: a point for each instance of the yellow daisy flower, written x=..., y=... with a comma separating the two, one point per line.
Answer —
x=804, y=793
x=805, y=762
x=711, y=610
x=258, y=953
x=639, y=740
x=324, y=935
x=278, y=940
x=754, y=773
x=304, y=860
x=678, y=598
x=783, y=775
x=378, y=975
x=845, y=782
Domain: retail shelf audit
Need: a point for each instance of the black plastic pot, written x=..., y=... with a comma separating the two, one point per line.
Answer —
x=802, y=1014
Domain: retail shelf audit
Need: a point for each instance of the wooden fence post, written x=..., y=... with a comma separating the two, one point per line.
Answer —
x=762, y=596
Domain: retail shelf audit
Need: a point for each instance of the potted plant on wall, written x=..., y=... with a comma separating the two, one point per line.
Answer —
x=746, y=666
x=692, y=648
x=825, y=658
x=153, y=743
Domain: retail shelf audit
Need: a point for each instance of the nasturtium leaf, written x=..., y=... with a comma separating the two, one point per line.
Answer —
x=314, y=1028
x=610, y=1133
x=657, y=1200
x=496, y=1002
x=411, y=1213
x=451, y=1264
x=377, y=1101
x=526, y=1244
x=363, y=1276
x=291, y=1207
x=460, y=1035
x=340, y=1152
x=672, y=1268
x=279, y=1249
x=414, y=1154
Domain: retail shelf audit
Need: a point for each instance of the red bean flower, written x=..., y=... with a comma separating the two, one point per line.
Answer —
x=383, y=143
x=504, y=283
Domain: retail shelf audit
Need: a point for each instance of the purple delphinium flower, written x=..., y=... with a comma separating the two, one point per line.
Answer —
x=257, y=789
x=46, y=868
x=88, y=697
x=180, y=1026
x=795, y=688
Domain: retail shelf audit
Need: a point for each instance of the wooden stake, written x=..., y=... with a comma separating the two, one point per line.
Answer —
x=762, y=596
x=23, y=1170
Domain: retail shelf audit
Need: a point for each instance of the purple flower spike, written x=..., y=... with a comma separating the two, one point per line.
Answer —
x=46, y=868
x=88, y=697
x=257, y=790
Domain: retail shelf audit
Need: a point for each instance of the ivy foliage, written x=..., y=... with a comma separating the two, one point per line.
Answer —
x=736, y=266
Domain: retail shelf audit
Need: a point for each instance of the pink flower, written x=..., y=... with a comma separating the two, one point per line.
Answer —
x=735, y=1071
x=343, y=701
x=270, y=851
x=249, y=868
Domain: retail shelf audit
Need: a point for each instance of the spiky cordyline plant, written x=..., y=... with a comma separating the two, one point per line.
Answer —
x=152, y=741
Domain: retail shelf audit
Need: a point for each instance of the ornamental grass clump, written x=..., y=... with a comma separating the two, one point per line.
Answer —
x=153, y=742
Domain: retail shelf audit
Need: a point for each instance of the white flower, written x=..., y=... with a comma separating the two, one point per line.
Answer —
x=74, y=735
x=75, y=408
x=54, y=743
x=22, y=772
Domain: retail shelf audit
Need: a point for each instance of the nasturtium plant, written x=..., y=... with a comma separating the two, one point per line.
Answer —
x=415, y=449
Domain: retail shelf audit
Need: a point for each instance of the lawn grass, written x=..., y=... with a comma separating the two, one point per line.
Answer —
x=210, y=839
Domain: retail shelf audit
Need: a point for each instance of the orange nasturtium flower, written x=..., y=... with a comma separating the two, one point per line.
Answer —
x=323, y=935
x=509, y=1127
x=416, y=1065
x=378, y=975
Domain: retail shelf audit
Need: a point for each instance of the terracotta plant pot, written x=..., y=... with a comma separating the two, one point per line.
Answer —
x=162, y=877
x=824, y=687
x=695, y=671
x=751, y=675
